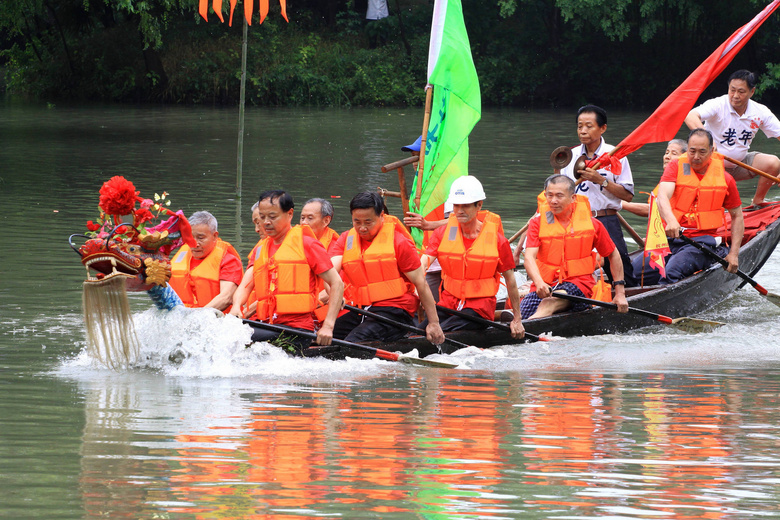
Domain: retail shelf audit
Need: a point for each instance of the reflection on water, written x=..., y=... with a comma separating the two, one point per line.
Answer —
x=433, y=444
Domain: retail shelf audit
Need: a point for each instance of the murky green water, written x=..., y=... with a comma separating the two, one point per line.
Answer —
x=656, y=424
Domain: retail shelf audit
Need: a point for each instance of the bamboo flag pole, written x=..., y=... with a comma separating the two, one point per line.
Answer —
x=241, y=103
x=421, y=164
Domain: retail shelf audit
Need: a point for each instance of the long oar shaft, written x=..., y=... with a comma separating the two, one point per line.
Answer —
x=404, y=326
x=722, y=261
x=608, y=305
x=377, y=352
x=489, y=323
x=752, y=169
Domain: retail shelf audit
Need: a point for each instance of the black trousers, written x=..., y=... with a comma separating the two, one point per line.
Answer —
x=356, y=327
x=612, y=224
x=449, y=322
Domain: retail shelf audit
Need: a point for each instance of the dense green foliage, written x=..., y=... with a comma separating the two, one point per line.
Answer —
x=527, y=52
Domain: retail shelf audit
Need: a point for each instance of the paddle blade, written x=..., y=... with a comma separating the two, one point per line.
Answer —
x=425, y=362
x=696, y=325
x=774, y=298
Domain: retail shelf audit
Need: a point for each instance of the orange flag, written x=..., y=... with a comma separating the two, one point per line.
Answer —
x=249, y=5
x=656, y=244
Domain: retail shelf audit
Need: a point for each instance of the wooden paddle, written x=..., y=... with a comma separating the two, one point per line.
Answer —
x=404, y=326
x=774, y=298
x=752, y=169
x=489, y=323
x=685, y=323
x=377, y=352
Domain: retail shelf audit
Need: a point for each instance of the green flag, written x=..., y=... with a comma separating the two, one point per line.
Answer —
x=455, y=109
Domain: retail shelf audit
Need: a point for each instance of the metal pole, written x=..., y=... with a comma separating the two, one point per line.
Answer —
x=241, y=103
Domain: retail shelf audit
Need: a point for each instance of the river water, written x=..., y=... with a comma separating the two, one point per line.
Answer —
x=652, y=424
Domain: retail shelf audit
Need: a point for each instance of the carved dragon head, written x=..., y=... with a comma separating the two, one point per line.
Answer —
x=135, y=250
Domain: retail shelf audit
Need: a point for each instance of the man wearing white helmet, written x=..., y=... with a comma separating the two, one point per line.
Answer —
x=473, y=254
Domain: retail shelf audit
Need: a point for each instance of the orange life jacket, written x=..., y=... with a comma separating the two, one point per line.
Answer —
x=471, y=273
x=327, y=238
x=284, y=283
x=374, y=273
x=196, y=287
x=699, y=203
x=565, y=253
x=250, y=257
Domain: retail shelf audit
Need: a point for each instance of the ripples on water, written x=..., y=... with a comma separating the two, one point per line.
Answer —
x=653, y=424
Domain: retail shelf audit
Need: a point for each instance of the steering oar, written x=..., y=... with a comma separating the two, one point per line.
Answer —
x=377, y=352
x=685, y=323
x=774, y=298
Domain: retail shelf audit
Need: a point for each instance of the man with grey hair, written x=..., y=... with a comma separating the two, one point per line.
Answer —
x=206, y=275
x=559, y=252
x=317, y=214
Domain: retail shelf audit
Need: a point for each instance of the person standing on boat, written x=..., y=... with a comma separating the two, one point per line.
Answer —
x=695, y=203
x=206, y=275
x=284, y=274
x=380, y=262
x=473, y=254
x=604, y=189
x=734, y=119
x=559, y=252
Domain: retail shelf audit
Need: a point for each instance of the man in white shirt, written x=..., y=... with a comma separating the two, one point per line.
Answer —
x=605, y=190
x=734, y=119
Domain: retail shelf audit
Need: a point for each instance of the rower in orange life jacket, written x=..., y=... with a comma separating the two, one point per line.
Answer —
x=473, y=254
x=318, y=214
x=284, y=274
x=380, y=260
x=206, y=275
x=559, y=252
x=692, y=194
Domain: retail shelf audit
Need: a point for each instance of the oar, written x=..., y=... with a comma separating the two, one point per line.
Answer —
x=631, y=231
x=410, y=328
x=752, y=169
x=377, y=352
x=685, y=323
x=489, y=323
x=774, y=298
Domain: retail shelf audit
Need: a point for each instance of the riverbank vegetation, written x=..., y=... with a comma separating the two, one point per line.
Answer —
x=529, y=53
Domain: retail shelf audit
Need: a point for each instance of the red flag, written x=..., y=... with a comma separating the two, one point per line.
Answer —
x=663, y=124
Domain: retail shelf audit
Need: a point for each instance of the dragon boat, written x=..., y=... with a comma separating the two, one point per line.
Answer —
x=123, y=252
x=692, y=295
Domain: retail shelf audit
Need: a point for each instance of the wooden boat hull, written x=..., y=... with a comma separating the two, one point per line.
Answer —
x=693, y=295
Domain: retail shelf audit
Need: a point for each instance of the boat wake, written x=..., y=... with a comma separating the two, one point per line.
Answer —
x=198, y=343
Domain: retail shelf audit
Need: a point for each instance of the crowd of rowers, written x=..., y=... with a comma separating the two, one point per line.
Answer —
x=301, y=275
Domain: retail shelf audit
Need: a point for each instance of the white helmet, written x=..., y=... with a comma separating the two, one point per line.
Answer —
x=466, y=190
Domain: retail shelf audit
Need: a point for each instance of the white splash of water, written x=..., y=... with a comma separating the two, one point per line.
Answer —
x=198, y=343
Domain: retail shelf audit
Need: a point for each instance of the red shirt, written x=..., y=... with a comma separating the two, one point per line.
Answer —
x=319, y=262
x=601, y=242
x=230, y=269
x=405, y=256
x=731, y=201
x=484, y=306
